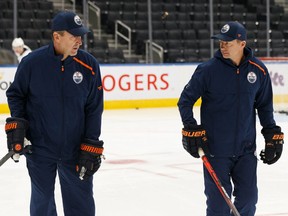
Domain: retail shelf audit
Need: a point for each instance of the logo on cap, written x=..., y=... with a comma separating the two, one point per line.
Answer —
x=78, y=20
x=225, y=28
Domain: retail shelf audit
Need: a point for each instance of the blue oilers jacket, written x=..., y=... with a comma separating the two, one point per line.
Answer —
x=62, y=100
x=230, y=95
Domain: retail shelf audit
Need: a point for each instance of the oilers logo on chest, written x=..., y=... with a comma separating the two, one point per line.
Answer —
x=251, y=77
x=77, y=77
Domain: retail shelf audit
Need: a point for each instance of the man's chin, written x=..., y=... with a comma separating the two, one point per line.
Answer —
x=74, y=53
x=226, y=56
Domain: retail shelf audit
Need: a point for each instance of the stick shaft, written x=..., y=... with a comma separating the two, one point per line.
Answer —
x=219, y=185
x=6, y=157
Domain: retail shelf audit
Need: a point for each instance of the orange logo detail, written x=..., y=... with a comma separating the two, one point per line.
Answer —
x=91, y=149
x=193, y=133
x=17, y=147
x=278, y=137
x=12, y=125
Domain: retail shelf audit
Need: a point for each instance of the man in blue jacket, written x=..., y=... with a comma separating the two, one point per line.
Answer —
x=56, y=102
x=233, y=86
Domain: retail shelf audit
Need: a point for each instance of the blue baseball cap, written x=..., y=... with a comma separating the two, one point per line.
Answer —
x=231, y=31
x=70, y=22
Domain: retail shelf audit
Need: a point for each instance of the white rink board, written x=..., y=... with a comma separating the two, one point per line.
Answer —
x=144, y=82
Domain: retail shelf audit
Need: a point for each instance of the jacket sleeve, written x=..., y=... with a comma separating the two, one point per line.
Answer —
x=264, y=102
x=18, y=90
x=190, y=94
x=94, y=107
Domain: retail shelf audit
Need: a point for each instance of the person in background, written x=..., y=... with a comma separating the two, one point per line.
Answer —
x=56, y=102
x=234, y=85
x=20, y=49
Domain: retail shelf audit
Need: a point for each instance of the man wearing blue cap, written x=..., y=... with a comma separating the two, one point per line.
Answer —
x=233, y=85
x=56, y=102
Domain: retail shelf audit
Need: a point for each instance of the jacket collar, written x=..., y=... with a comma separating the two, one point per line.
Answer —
x=247, y=52
x=51, y=52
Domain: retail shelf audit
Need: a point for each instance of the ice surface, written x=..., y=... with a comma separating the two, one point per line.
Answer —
x=147, y=172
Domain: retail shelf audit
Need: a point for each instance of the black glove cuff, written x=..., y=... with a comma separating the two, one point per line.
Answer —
x=273, y=130
x=193, y=127
x=273, y=135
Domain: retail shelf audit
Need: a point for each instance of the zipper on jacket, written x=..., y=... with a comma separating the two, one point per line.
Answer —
x=62, y=66
x=62, y=98
x=238, y=111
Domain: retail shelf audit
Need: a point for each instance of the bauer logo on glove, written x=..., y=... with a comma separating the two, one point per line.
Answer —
x=193, y=133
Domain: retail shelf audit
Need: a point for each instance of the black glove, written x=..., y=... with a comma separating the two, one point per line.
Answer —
x=89, y=158
x=274, y=140
x=16, y=131
x=193, y=138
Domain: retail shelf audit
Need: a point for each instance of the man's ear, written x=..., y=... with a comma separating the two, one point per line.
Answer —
x=56, y=36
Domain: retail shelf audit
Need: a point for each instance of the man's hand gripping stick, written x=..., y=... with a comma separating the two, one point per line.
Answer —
x=16, y=156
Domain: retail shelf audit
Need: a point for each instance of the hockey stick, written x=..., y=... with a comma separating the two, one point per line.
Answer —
x=218, y=183
x=6, y=157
